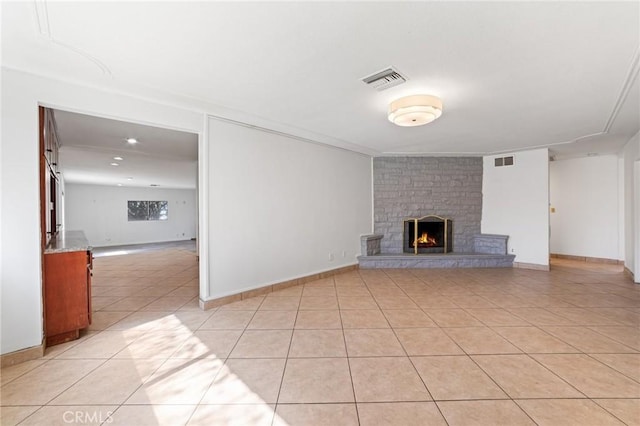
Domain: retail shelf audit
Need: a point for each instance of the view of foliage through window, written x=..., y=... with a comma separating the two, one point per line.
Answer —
x=148, y=210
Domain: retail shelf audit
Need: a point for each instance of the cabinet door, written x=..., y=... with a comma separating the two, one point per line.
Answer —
x=66, y=292
x=89, y=275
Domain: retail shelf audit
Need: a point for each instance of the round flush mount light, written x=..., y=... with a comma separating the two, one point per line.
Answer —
x=115, y=164
x=118, y=158
x=415, y=110
x=132, y=141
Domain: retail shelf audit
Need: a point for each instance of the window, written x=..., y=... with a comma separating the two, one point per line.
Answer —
x=148, y=210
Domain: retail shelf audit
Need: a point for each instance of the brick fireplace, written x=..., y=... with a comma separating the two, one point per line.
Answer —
x=414, y=187
x=427, y=213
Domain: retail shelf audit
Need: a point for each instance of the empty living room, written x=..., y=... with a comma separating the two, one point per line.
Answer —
x=320, y=213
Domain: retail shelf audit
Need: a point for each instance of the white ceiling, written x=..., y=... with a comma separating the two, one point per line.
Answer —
x=162, y=157
x=512, y=76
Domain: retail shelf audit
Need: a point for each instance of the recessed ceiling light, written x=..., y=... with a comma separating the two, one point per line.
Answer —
x=115, y=164
x=129, y=178
x=132, y=140
x=118, y=158
x=119, y=184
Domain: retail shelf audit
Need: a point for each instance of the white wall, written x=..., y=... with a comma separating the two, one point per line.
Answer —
x=636, y=207
x=101, y=212
x=584, y=193
x=21, y=288
x=330, y=213
x=515, y=202
x=621, y=225
x=281, y=207
x=630, y=154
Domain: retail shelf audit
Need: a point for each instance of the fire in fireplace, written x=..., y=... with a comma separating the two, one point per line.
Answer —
x=424, y=240
x=428, y=234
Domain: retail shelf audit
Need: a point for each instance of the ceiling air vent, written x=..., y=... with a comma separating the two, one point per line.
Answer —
x=384, y=79
x=503, y=161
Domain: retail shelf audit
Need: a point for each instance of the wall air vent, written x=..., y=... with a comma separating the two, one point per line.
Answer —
x=503, y=161
x=384, y=79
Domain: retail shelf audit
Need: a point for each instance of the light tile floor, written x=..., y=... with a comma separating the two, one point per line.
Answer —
x=369, y=347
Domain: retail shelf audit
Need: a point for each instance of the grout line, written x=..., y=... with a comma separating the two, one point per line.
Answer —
x=591, y=355
x=346, y=351
x=468, y=283
x=286, y=361
x=143, y=332
x=594, y=400
x=515, y=401
x=224, y=362
x=415, y=369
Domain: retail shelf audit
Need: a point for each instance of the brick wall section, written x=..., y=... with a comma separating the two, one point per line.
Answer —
x=490, y=244
x=406, y=187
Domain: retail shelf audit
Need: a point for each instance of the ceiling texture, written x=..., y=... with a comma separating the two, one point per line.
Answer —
x=511, y=75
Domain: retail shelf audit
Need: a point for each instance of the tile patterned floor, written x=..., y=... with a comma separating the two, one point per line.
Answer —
x=369, y=347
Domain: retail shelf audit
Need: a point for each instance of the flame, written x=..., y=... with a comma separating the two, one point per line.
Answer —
x=425, y=239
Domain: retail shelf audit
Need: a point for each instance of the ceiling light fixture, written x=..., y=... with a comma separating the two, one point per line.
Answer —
x=115, y=164
x=118, y=158
x=129, y=178
x=415, y=110
x=132, y=140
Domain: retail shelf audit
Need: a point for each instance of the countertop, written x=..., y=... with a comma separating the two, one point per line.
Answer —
x=67, y=241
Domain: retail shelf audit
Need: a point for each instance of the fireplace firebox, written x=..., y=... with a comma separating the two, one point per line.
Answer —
x=428, y=234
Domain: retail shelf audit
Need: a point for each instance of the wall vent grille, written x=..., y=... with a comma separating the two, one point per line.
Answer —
x=384, y=79
x=504, y=161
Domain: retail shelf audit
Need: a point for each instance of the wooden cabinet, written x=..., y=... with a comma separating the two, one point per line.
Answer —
x=67, y=289
x=66, y=255
x=49, y=175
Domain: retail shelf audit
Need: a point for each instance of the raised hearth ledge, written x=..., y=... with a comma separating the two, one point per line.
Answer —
x=225, y=300
x=437, y=260
x=370, y=244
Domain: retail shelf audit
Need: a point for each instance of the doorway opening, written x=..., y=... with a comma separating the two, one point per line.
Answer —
x=102, y=165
